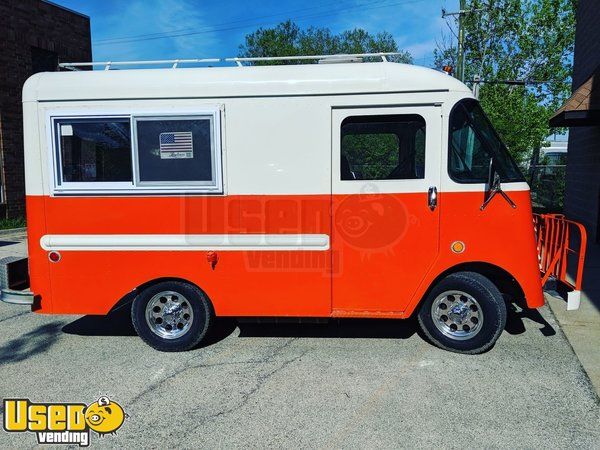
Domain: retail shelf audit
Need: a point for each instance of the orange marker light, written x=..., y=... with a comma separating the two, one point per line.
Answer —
x=458, y=247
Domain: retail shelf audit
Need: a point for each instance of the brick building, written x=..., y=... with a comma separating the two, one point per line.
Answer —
x=35, y=35
x=582, y=114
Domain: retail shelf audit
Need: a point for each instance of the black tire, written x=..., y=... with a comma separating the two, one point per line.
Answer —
x=202, y=316
x=490, y=304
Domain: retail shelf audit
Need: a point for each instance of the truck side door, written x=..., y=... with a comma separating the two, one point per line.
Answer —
x=385, y=227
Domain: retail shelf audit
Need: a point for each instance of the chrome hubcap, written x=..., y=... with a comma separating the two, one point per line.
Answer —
x=169, y=314
x=457, y=315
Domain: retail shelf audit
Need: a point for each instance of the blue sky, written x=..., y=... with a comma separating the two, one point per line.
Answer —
x=204, y=29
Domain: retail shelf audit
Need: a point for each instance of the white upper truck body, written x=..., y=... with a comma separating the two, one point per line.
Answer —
x=246, y=98
x=247, y=81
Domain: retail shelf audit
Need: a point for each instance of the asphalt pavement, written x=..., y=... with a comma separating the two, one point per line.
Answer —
x=352, y=383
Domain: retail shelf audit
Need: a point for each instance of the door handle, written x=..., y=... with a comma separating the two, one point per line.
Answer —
x=432, y=198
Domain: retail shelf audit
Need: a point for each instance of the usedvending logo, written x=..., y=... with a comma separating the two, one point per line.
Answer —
x=63, y=423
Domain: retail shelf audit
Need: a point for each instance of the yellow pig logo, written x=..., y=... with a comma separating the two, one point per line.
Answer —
x=104, y=416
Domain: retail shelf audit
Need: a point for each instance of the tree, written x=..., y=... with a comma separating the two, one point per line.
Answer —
x=287, y=39
x=528, y=40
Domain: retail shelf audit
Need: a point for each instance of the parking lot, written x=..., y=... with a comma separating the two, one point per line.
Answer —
x=353, y=383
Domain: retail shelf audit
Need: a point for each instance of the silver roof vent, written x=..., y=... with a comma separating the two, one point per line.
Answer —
x=337, y=59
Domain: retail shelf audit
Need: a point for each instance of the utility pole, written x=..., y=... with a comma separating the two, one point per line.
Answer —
x=460, y=70
x=460, y=66
x=476, y=85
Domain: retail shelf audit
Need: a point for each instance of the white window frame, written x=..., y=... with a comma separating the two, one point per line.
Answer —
x=430, y=112
x=208, y=186
x=60, y=187
x=66, y=186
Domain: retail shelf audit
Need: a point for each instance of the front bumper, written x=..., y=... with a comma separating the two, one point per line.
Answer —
x=16, y=297
x=573, y=300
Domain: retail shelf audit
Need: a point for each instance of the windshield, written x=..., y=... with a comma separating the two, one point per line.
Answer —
x=473, y=141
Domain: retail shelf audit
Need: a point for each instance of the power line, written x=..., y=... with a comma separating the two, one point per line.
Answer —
x=182, y=30
x=462, y=11
x=299, y=18
x=424, y=58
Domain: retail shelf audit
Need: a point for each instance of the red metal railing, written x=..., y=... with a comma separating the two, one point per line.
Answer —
x=557, y=240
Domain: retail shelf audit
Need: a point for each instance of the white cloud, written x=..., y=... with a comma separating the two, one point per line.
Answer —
x=421, y=49
x=143, y=17
x=415, y=26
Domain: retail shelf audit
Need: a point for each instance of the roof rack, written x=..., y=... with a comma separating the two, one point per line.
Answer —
x=175, y=63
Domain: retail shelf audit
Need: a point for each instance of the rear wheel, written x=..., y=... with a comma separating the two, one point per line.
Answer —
x=172, y=316
x=464, y=313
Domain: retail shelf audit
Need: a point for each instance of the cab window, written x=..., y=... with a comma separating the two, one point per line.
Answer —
x=390, y=147
x=473, y=142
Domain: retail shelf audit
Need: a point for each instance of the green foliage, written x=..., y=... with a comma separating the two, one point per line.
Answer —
x=520, y=119
x=548, y=184
x=530, y=40
x=372, y=156
x=287, y=39
x=7, y=224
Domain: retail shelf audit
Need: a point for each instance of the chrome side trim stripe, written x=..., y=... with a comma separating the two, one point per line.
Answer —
x=184, y=242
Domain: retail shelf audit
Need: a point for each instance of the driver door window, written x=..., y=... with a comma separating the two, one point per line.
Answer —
x=390, y=147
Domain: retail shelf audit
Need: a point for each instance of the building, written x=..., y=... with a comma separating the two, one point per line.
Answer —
x=556, y=150
x=35, y=35
x=582, y=114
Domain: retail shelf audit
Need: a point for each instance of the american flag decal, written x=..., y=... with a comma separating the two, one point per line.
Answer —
x=176, y=144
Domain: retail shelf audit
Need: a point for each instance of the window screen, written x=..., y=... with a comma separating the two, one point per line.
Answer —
x=175, y=150
x=388, y=147
x=94, y=150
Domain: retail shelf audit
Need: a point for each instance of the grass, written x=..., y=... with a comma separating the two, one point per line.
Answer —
x=7, y=224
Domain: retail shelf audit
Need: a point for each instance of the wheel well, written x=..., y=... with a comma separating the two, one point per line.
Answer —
x=128, y=298
x=160, y=280
x=504, y=281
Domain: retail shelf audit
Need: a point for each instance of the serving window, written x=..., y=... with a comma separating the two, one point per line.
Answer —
x=175, y=151
x=94, y=150
x=137, y=153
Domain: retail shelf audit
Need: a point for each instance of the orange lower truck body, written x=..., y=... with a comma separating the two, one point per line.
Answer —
x=385, y=251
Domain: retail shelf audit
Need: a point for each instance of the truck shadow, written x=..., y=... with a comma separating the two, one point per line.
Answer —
x=515, y=320
x=32, y=343
x=118, y=323
x=334, y=328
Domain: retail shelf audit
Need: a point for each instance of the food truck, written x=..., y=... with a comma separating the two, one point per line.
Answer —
x=350, y=188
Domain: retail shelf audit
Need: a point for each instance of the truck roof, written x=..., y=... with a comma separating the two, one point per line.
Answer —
x=247, y=81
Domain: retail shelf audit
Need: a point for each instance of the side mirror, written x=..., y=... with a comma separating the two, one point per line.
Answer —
x=493, y=181
x=494, y=186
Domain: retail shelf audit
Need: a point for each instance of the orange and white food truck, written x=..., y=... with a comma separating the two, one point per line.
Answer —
x=332, y=190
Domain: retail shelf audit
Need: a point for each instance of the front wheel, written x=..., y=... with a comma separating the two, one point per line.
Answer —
x=463, y=313
x=172, y=316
